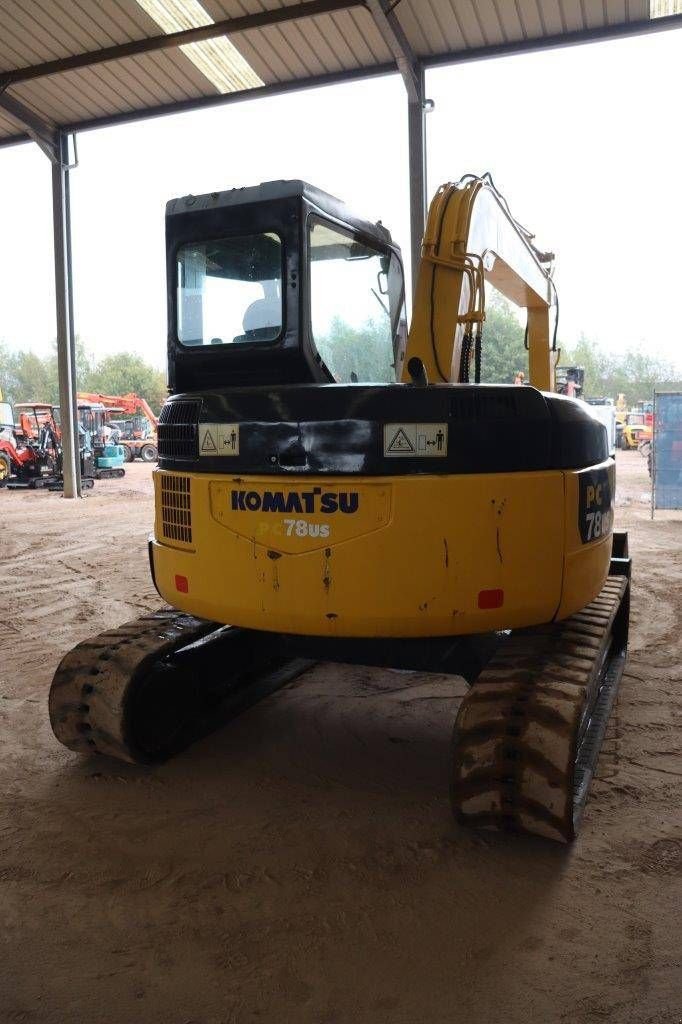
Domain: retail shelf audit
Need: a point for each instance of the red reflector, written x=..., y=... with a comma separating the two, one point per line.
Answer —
x=181, y=584
x=490, y=598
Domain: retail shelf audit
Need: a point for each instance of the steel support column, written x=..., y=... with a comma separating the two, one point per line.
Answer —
x=55, y=144
x=416, y=141
x=412, y=71
x=66, y=346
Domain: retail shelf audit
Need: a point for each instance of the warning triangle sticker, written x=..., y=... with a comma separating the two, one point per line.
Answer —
x=208, y=444
x=400, y=442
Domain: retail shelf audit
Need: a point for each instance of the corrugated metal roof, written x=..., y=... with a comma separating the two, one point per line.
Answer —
x=330, y=44
x=323, y=45
x=50, y=29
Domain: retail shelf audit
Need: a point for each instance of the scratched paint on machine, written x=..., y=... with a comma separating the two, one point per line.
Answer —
x=217, y=439
x=415, y=440
x=595, y=498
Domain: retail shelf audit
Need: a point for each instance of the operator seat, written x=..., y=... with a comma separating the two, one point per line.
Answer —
x=262, y=320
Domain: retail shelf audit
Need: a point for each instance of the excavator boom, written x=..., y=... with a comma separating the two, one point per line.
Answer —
x=130, y=403
x=471, y=238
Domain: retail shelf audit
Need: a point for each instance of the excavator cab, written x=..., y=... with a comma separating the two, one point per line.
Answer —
x=280, y=284
x=33, y=416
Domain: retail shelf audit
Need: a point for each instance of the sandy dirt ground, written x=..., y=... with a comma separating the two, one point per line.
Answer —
x=301, y=865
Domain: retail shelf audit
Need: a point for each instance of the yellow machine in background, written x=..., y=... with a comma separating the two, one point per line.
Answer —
x=322, y=509
x=636, y=431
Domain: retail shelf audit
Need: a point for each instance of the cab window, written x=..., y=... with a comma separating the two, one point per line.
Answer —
x=357, y=310
x=230, y=290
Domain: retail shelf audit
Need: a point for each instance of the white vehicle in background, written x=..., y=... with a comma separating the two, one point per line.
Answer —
x=570, y=380
x=605, y=410
x=6, y=422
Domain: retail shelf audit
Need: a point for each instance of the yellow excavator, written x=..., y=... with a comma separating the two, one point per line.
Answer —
x=331, y=486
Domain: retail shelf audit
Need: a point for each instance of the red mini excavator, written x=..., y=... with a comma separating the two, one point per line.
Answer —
x=28, y=460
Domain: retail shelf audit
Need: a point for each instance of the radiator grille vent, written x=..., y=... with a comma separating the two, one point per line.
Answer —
x=178, y=430
x=176, y=509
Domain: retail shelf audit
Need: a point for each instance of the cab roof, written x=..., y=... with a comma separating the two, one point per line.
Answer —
x=274, y=191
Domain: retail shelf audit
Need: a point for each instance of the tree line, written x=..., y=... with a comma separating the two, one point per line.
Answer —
x=27, y=377
x=364, y=350
x=607, y=374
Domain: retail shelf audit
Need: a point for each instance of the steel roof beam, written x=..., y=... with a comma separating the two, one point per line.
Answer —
x=227, y=27
x=44, y=133
x=581, y=37
x=397, y=42
x=243, y=95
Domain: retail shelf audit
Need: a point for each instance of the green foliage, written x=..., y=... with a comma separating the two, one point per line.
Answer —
x=118, y=374
x=633, y=373
x=364, y=351
x=503, y=352
x=25, y=377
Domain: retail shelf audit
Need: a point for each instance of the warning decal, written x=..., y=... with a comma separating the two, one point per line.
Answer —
x=415, y=440
x=400, y=444
x=208, y=445
x=217, y=439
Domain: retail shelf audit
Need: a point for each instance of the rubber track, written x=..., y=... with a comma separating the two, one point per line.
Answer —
x=91, y=685
x=519, y=730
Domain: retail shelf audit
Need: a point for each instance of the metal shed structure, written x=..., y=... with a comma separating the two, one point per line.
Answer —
x=70, y=65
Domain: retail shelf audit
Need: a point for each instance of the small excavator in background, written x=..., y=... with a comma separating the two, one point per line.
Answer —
x=32, y=417
x=24, y=457
x=34, y=460
x=138, y=435
x=332, y=486
x=108, y=458
x=31, y=452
